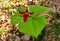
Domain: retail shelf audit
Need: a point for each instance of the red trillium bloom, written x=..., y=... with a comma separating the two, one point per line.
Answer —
x=25, y=15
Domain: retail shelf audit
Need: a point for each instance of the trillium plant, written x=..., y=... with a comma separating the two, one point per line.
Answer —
x=29, y=21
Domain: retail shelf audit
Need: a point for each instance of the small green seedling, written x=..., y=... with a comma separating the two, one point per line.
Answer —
x=30, y=22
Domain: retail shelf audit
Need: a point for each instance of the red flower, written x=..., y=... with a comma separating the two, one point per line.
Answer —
x=25, y=15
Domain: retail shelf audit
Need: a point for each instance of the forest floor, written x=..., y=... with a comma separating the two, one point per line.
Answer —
x=9, y=32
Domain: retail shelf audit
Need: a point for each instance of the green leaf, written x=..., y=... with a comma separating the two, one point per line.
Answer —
x=37, y=9
x=22, y=9
x=33, y=26
x=16, y=18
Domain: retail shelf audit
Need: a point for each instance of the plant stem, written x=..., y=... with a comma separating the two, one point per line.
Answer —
x=32, y=38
